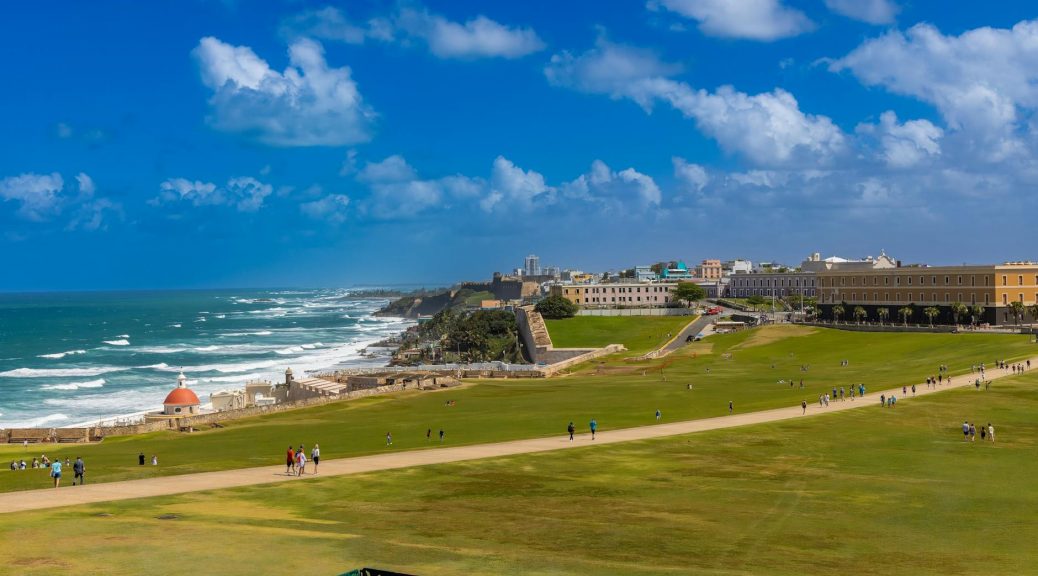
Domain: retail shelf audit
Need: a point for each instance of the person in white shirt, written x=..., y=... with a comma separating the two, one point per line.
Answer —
x=300, y=463
x=315, y=455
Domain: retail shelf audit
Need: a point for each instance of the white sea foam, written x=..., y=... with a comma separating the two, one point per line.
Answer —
x=75, y=385
x=123, y=336
x=60, y=372
x=221, y=315
x=174, y=325
x=200, y=319
x=236, y=378
x=159, y=366
x=120, y=342
x=235, y=334
x=60, y=355
x=37, y=422
x=160, y=349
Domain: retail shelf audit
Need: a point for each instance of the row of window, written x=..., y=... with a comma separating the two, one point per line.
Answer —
x=744, y=292
x=617, y=290
x=908, y=297
x=773, y=283
x=604, y=300
x=908, y=280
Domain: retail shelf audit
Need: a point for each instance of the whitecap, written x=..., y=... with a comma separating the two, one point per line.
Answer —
x=159, y=349
x=75, y=385
x=221, y=315
x=174, y=325
x=59, y=372
x=123, y=336
x=121, y=342
x=60, y=355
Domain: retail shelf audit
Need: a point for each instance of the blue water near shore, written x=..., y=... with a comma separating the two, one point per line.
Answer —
x=73, y=358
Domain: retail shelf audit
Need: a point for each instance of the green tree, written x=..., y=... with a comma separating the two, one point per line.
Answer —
x=958, y=310
x=931, y=313
x=689, y=292
x=756, y=301
x=838, y=310
x=860, y=313
x=554, y=307
x=905, y=313
x=1017, y=308
x=977, y=313
x=1033, y=311
x=810, y=305
x=883, y=314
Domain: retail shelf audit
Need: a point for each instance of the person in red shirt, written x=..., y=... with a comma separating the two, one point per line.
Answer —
x=290, y=461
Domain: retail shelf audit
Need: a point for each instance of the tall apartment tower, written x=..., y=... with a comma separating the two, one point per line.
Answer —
x=532, y=264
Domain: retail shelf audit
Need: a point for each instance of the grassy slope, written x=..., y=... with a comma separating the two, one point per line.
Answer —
x=618, y=394
x=869, y=492
x=639, y=334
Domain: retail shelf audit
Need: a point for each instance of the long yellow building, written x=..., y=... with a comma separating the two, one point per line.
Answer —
x=993, y=287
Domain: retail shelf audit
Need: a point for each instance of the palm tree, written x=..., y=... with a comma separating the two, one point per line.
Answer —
x=837, y=312
x=978, y=313
x=1033, y=311
x=883, y=314
x=931, y=313
x=905, y=313
x=958, y=310
x=1017, y=308
x=860, y=313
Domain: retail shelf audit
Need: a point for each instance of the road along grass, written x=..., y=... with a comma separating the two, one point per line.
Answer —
x=618, y=394
x=876, y=491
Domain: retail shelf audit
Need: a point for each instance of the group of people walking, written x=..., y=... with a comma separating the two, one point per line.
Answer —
x=969, y=432
x=296, y=460
x=593, y=426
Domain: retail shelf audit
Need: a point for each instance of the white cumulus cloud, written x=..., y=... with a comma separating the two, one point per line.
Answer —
x=309, y=104
x=871, y=11
x=768, y=128
x=245, y=193
x=37, y=195
x=979, y=81
x=513, y=187
x=763, y=20
x=904, y=144
x=398, y=192
x=331, y=208
x=691, y=177
x=477, y=37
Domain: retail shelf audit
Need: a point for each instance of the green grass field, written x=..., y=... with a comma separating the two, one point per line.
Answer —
x=868, y=492
x=640, y=334
x=618, y=394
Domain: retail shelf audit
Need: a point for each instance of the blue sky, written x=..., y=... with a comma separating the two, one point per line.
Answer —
x=240, y=143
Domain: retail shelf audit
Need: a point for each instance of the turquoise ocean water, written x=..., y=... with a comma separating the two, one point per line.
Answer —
x=73, y=358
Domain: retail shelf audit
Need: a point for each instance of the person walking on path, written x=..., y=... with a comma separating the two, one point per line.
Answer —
x=803, y=406
x=731, y=407
x=913, y=389
x=882, y=400
x=290, y=461
x=301, y=463
x=861, y=390
x=78, y=469
x=441, y=435
x=55, y=471
x=658, y=414
x=991, y=430
x=571, y=429
x=389, y=438
x=594, y=427
x=315, y=455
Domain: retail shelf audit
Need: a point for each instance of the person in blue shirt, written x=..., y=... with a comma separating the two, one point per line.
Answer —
x=594, y=426
x=55, y=472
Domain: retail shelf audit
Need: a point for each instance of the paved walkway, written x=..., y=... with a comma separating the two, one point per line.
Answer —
x=104, y=492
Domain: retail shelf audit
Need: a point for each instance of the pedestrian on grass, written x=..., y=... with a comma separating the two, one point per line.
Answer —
x=290, y=460
x=428, y=434
x=78, y=469
x=965, y=430
x=731, y=407
x=973, y=433
x=594, y=427
x=315, y=455
x=441, y=435
x=389, y=438
x=55, y=471
x=571, y=429
x=658, y=414
x=140, y=459
x=991, y=430
x=983, y=433
x=803, y=406
x=154, y=460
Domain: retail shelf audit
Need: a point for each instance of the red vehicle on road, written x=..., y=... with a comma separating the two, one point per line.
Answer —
x=713, y=311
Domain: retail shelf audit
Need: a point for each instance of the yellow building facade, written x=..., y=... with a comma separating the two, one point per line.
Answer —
x=993, y=287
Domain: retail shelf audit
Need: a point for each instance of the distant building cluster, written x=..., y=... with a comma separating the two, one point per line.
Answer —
x=870, y=283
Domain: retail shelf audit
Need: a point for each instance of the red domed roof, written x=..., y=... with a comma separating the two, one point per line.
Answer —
x=181, y=397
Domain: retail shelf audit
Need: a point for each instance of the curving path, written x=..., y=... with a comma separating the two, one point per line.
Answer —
x=125, y=490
